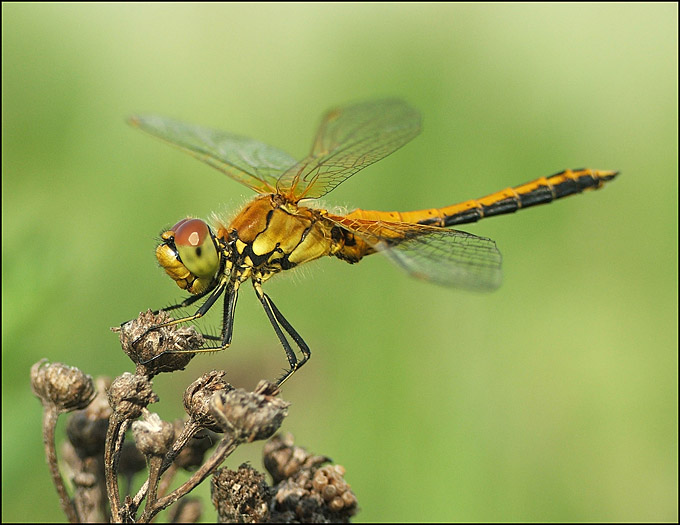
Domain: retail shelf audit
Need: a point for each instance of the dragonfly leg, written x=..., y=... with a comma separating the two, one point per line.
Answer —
x=187, y=302
x=227, y=318
x=228, y=314
x=278, y=321
x=227, y=324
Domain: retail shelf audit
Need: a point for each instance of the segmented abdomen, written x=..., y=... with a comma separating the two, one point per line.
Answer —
x=539, y=191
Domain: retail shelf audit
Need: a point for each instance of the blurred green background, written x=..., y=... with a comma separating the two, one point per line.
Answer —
x=554, y=398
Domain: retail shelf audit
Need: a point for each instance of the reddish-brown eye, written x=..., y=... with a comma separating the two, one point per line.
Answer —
x=174, y=228
x=195, y=247
x=190, y=232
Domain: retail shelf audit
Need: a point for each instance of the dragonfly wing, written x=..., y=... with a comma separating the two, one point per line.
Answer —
x=450, y=258
x=245, y=160
x=349, y=139
x=443, y=256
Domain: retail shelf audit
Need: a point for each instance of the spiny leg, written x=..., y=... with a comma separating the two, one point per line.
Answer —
x=228, y=314
x=187, y=302
x=230, y=298
x=227, y=318
x=184, y=304
x=277, y=321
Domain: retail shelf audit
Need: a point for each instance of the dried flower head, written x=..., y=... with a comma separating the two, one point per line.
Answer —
x=64, y=387
x=131, y=461
x=86, y=429
x=129, y=394
x=156, y=350
x=197, y=398
x=153, y=436
x=249, y=415
x=240, y=496
x=305, y=491
x=87, y=435
x=329, y=482
x=283, y=459
x=315, y=495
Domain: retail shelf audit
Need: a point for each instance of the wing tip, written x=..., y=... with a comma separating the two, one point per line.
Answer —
x=134, y=120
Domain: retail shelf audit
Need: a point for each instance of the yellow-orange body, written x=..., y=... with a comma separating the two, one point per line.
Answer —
x=271, y=234
x=274, y=232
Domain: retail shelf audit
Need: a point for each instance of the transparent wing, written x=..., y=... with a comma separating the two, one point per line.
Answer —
x=245, y=160
x=349, y=139
x=446, y=257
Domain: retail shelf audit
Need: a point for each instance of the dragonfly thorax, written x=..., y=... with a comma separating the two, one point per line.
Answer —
x=270, y=235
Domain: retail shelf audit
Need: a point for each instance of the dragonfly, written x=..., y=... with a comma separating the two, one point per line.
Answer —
x=281, y=228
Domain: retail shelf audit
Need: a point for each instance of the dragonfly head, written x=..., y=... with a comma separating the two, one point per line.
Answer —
x=189, y=255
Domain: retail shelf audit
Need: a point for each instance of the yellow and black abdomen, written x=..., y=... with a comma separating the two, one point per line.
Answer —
x=539, y=191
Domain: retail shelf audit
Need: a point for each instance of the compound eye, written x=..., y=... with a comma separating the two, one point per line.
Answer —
x=176, y=226
x=196, y=248
x=191, y=232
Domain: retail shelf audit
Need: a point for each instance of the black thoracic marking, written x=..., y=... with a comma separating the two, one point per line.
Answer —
x=270, y=214
x=336, y=234
x=258, y=260
x=264, y=259
x=198, y=251
x=349, y=239
x=284, y=262
x=346, y=236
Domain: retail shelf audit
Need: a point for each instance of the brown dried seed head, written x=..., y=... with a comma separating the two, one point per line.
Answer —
x=267, y=388
x=129, y=394
x=197, y=398
x=155, y=350
x=312, y=494
x=336, y=504
x=329, y=492
x=240, y=496
x=349, y=499
x=337, y=492
x=249, y=415
x=64, y=387
x=87, y=434
x=131, y=460
x=319, y=481
x=283, y=459
x=153, y=436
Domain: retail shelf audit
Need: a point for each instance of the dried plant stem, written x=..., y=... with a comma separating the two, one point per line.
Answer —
x=228, y=444
x=189, y=431
x=114, y=442
x=50, y=416
x=166, y=480
x=89, y=488
x=191, y=428
x=154, y=478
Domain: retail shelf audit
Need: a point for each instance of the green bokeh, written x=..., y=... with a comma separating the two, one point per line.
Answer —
x=553, y=399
